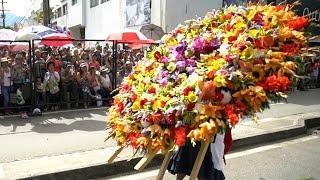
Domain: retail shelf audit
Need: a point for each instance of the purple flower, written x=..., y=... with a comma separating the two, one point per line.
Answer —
x=181, y=47
x=164, y=59
x=164, y=74
x=175, y=76
x=191, y=62
x=177, y=55
x=190, y=69
x=181, y=64
x=163, y=81
x=198, y=44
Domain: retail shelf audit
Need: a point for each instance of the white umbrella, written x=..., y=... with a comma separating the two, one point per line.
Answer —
x=7, y=35
x=35, y=29
x=26, y=36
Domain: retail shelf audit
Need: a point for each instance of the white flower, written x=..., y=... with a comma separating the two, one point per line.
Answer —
x=226, y=97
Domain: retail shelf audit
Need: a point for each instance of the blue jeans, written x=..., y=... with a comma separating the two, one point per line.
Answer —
x=6, y=95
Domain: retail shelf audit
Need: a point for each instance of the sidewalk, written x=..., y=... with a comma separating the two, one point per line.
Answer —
x=92, y=164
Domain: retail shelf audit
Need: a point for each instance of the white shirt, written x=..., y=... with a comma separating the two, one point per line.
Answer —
x=105, y=81
x=217, y=151
x=6, y=78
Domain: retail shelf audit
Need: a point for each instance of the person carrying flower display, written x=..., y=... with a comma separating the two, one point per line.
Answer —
x=203, y=79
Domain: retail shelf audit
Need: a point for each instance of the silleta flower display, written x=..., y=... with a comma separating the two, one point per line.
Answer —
x=206, y=76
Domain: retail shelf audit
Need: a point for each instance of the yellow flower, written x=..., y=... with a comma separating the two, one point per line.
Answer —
x=171, y=67
x=136, y=105
x=247, y=54
x=219, y=81
x=192, y=97
x=156, y=105
x=217, y=64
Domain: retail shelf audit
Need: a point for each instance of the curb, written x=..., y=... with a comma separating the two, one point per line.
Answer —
x=125, y=166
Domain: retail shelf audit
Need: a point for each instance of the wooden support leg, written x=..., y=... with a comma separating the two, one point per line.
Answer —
x=144, y=161
x=164, y=165
x=114, y=155
x=198, y=162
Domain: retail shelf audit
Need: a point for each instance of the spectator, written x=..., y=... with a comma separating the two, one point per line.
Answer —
x=20, y=72
x=57, y=63
x=51, y=84
x=82, y=79
x=39, y=67
x=94, y=84
x=94, y=61
x=105, y=82
x=39, y=99
x=5, y=82
x=68, y=83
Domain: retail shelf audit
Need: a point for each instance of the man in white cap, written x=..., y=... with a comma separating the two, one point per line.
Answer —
x=5, y=82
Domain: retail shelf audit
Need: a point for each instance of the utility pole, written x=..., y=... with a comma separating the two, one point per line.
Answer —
x=46, y=12
x=3, y=16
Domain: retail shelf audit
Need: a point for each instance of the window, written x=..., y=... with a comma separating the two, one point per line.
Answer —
x=65, y=9
x=73, y=2
x=59, y=12
x=94, y=3
x=103, y=1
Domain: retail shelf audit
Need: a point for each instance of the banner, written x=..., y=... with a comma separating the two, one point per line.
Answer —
x=138, y=12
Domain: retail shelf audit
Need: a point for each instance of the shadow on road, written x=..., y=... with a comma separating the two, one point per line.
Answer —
x=86, y=120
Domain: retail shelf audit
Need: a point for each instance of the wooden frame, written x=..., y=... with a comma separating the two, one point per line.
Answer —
x=148, y=157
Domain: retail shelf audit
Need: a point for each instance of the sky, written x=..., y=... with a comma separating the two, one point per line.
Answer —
x=24, y=7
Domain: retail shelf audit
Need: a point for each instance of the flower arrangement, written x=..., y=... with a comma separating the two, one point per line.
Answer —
x=206, y=76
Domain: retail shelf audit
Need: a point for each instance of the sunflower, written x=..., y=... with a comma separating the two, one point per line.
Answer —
x=258, y=72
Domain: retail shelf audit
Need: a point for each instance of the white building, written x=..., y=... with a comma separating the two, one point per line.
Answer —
x=94, y=19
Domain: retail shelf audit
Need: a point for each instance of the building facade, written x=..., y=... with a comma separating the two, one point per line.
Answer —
x=94, y=19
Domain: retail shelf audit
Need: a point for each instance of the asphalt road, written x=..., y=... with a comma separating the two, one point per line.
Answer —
x=73, y=131
x=294, y=159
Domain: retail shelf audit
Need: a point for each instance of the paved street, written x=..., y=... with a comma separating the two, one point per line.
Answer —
x=295, y=159
x=67, y=132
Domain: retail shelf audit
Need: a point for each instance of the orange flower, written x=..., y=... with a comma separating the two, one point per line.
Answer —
x=180, y=135
x=298, y=23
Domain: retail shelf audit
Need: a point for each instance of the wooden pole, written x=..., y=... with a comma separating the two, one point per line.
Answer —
x=164, y=165
x=114, y=155
x=197, y=165
x=144, y=161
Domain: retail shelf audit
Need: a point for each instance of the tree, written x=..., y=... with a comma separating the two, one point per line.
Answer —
x=39, y=16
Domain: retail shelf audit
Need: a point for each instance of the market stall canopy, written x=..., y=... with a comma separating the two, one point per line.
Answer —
x=152, y=31
x=127, y=36
x=57, y=39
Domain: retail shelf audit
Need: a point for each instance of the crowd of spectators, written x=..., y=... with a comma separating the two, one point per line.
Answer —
x=56, y=78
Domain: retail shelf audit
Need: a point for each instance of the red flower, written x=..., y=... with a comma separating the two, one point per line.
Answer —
x=218, y=95
x=291, y=49
x=280, y=7
x=133, y=139
x=258, y=17
x=120, y=107
x=186, y=91
x=157, y=55
x=171, y=118
x=133, y=97
x=157, y=117
x=143, y=102
x=180, y=135
x=298, y=23
x=191, y=106
x=264, y=42
x=211, y=74
x=126, y=87
x=272, y=83
x=284, y=82
x=152, y=90
x=234, y=119
x=242, y=107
